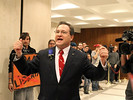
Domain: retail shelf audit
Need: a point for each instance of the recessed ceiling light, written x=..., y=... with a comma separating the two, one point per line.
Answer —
x=65, y=6
x=56, y=16
x=79, y=17
x=118, y=11
x=94, y=18
x=128, y=21
x=116, y=20
x=99, y=24
x=112, y=25
x=82, y=23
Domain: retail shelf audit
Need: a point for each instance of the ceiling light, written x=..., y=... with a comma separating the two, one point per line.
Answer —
x=112, y=25
x=65, y=6
x=56, y=16
x=82, y=23
x=99, y=24
x=128, y=21
x=118, y=11
x=116, y=20
x=79, y=17
x=94, y=18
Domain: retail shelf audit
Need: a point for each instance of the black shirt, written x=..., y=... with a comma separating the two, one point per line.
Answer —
x=12, y=54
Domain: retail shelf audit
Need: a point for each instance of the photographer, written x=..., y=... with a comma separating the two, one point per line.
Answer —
x=127, y=64
x=126, y=50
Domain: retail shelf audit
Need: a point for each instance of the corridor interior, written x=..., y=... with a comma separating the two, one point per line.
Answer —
x=109, y=92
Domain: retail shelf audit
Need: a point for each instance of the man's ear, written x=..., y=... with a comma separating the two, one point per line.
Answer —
x=72, y=37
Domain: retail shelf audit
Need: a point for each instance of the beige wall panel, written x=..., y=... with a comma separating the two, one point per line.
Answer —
x=53, y=28
x=9, y=33
x=37, y=21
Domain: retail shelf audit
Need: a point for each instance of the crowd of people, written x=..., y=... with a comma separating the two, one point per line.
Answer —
x=79, y=61
x=93, y=56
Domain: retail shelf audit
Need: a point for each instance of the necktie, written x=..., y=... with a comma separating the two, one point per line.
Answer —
x=61, y=62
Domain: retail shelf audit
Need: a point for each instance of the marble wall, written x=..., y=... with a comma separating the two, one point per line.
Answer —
x=53, y=28
x=37, y=22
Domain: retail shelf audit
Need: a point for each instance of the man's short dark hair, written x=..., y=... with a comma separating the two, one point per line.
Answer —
x=69, y=25
x=24, y=35
x=86, y=46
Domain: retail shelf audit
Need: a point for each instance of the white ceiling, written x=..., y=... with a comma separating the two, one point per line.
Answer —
x=94, y=13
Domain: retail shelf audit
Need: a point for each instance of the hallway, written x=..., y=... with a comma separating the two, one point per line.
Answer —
x=109, y=92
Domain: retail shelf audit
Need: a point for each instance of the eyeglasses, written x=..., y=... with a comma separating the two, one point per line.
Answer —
x=52, y=43
x=63, y=32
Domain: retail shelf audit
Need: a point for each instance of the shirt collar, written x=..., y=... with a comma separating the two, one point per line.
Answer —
x=65, y=50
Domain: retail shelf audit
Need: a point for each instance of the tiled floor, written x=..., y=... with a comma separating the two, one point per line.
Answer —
x=109, y=92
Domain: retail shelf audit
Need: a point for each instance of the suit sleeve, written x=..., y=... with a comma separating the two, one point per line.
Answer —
x=12, y=54
x=92, y=72
x=30, y=67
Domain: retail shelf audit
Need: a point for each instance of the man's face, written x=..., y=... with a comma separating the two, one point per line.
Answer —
x=84, y=44
x=51, y=44
x=80, y=46
x=63, y=37
x=26, y=41
x=86, y=49
x=115, y=48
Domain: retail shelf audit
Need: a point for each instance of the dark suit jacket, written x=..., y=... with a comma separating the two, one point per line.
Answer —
x=76, y=65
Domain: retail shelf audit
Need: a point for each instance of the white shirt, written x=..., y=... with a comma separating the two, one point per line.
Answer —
x=65, y=50
x=96, y=61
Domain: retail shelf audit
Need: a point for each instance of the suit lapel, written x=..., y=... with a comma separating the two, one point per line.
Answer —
x=68, y=62
x=52, y=65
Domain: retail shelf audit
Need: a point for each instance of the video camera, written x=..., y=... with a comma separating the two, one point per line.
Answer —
x=125, y=48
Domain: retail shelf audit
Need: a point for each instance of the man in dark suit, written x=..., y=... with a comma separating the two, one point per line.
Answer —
x=61, y=67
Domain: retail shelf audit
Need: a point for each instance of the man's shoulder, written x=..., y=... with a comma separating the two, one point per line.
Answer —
x=32, y=50
x=78, y=52
x=43, y=50
x=47, y=50
x=13, y=52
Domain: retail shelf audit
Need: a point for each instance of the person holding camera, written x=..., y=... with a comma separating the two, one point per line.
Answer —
x=126, y=51
x=127, y=67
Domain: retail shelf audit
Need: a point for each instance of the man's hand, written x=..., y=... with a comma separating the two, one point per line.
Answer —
x=10, y=87
x=18, y=48
x=103, y=54
x=115, y=65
